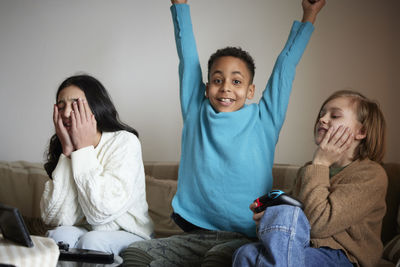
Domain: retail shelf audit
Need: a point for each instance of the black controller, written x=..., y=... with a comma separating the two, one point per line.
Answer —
x=275, y=197
x=84, y=255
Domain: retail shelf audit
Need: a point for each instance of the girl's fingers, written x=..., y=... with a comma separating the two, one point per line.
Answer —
x=55, y=114
x=337, y=135
x=73, y=120
x=82, y=112
x=344, y=137
x=59, y=122
x=76, y=113
x=350, y=138
x=328, y=136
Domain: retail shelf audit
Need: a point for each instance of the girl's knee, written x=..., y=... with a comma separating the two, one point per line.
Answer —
x=92, y=240
x=66, y=234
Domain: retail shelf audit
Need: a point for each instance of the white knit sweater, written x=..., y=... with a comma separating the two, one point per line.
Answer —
x=102, y=186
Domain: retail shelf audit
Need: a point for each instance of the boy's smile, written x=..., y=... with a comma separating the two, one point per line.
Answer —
x=229, y=84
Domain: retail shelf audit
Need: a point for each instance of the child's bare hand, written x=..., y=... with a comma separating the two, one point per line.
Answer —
x=311, y=8
x=84, y=125
x=333, y=145
x=256, y=216
x=178, y=2
x=62, y=133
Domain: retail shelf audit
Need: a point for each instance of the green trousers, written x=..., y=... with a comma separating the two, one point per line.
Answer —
x=196, y=248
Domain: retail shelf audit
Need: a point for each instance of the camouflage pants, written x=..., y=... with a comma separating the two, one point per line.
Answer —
x=196, y=248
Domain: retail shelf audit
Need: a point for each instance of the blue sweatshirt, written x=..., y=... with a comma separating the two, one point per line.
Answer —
x=227, y=157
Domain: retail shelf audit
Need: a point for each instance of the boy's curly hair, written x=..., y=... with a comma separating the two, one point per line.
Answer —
x=236, y=52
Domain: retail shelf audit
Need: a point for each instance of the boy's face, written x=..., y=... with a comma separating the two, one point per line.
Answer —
x=229, y=84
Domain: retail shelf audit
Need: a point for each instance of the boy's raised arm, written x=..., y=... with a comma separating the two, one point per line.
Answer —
x=275, y=99
x=191, y=84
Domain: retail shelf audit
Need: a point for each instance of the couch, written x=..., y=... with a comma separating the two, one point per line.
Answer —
x=22, y=183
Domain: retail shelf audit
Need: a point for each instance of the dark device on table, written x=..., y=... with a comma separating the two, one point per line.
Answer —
x=275, y=197
x=84, y=255
x=12, y=226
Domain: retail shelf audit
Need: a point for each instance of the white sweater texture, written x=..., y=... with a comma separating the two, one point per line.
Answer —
x=102, y=188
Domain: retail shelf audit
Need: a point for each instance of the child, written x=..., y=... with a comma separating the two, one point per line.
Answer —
x=227, y=146
x=343, y=192
x=96, y=195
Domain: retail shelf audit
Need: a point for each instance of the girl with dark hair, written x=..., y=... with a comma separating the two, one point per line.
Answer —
x=96, y=196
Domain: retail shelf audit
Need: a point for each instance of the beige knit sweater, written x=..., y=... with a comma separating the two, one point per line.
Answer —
x=345, y=211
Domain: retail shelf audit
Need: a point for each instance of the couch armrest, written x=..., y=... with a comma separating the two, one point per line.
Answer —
x=21, y=186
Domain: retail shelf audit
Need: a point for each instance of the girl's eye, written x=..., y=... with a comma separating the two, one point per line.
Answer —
x=60, y=106
x=335, y=116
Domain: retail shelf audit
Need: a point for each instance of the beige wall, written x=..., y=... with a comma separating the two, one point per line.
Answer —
x=129, y=46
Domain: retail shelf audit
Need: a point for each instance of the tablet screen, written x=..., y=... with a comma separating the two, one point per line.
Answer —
x=13, y=227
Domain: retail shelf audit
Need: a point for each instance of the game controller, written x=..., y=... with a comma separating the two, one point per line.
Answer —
x=275, y=197
x=83, y=255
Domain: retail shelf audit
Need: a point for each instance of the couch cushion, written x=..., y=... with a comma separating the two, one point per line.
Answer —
x=162, y=170
x=391, y=251
x=159, y=194
x=284, y=176
x=389, y=225
x=22, y=185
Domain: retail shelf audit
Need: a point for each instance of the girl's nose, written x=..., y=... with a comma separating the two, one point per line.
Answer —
x=324, y=119
x=66, y=112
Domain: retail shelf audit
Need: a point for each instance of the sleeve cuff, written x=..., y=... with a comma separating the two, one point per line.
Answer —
x=83, y=160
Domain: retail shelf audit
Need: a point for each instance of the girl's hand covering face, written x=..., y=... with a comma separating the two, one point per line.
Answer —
x=62, y=133
x=83, y=125
x=333, y=145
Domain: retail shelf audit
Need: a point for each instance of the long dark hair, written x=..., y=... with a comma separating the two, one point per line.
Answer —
x=102, y=108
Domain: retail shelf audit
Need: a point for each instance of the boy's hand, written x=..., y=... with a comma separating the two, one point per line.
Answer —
x=310, y=9
x=256, y=216
x=333, y=145
x=178, y=2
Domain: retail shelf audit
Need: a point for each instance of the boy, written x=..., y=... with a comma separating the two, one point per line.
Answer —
x=227, y=146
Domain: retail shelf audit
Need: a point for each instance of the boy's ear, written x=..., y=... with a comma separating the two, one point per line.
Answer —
x=361, y=134
x=250, y=91
x=206, y=90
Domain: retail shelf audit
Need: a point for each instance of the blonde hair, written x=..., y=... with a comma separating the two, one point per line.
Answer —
x=369, y=114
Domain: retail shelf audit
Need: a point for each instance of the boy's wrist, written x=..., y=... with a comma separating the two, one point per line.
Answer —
x=177, y=2
x=309, y=18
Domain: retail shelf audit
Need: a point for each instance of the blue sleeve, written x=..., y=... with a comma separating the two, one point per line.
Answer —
x=275, y=99
x=192, y=88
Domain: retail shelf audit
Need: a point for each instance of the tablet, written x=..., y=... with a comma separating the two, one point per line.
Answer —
x=12, y=226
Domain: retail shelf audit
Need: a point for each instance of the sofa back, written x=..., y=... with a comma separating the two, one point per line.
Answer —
x=22, y=184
